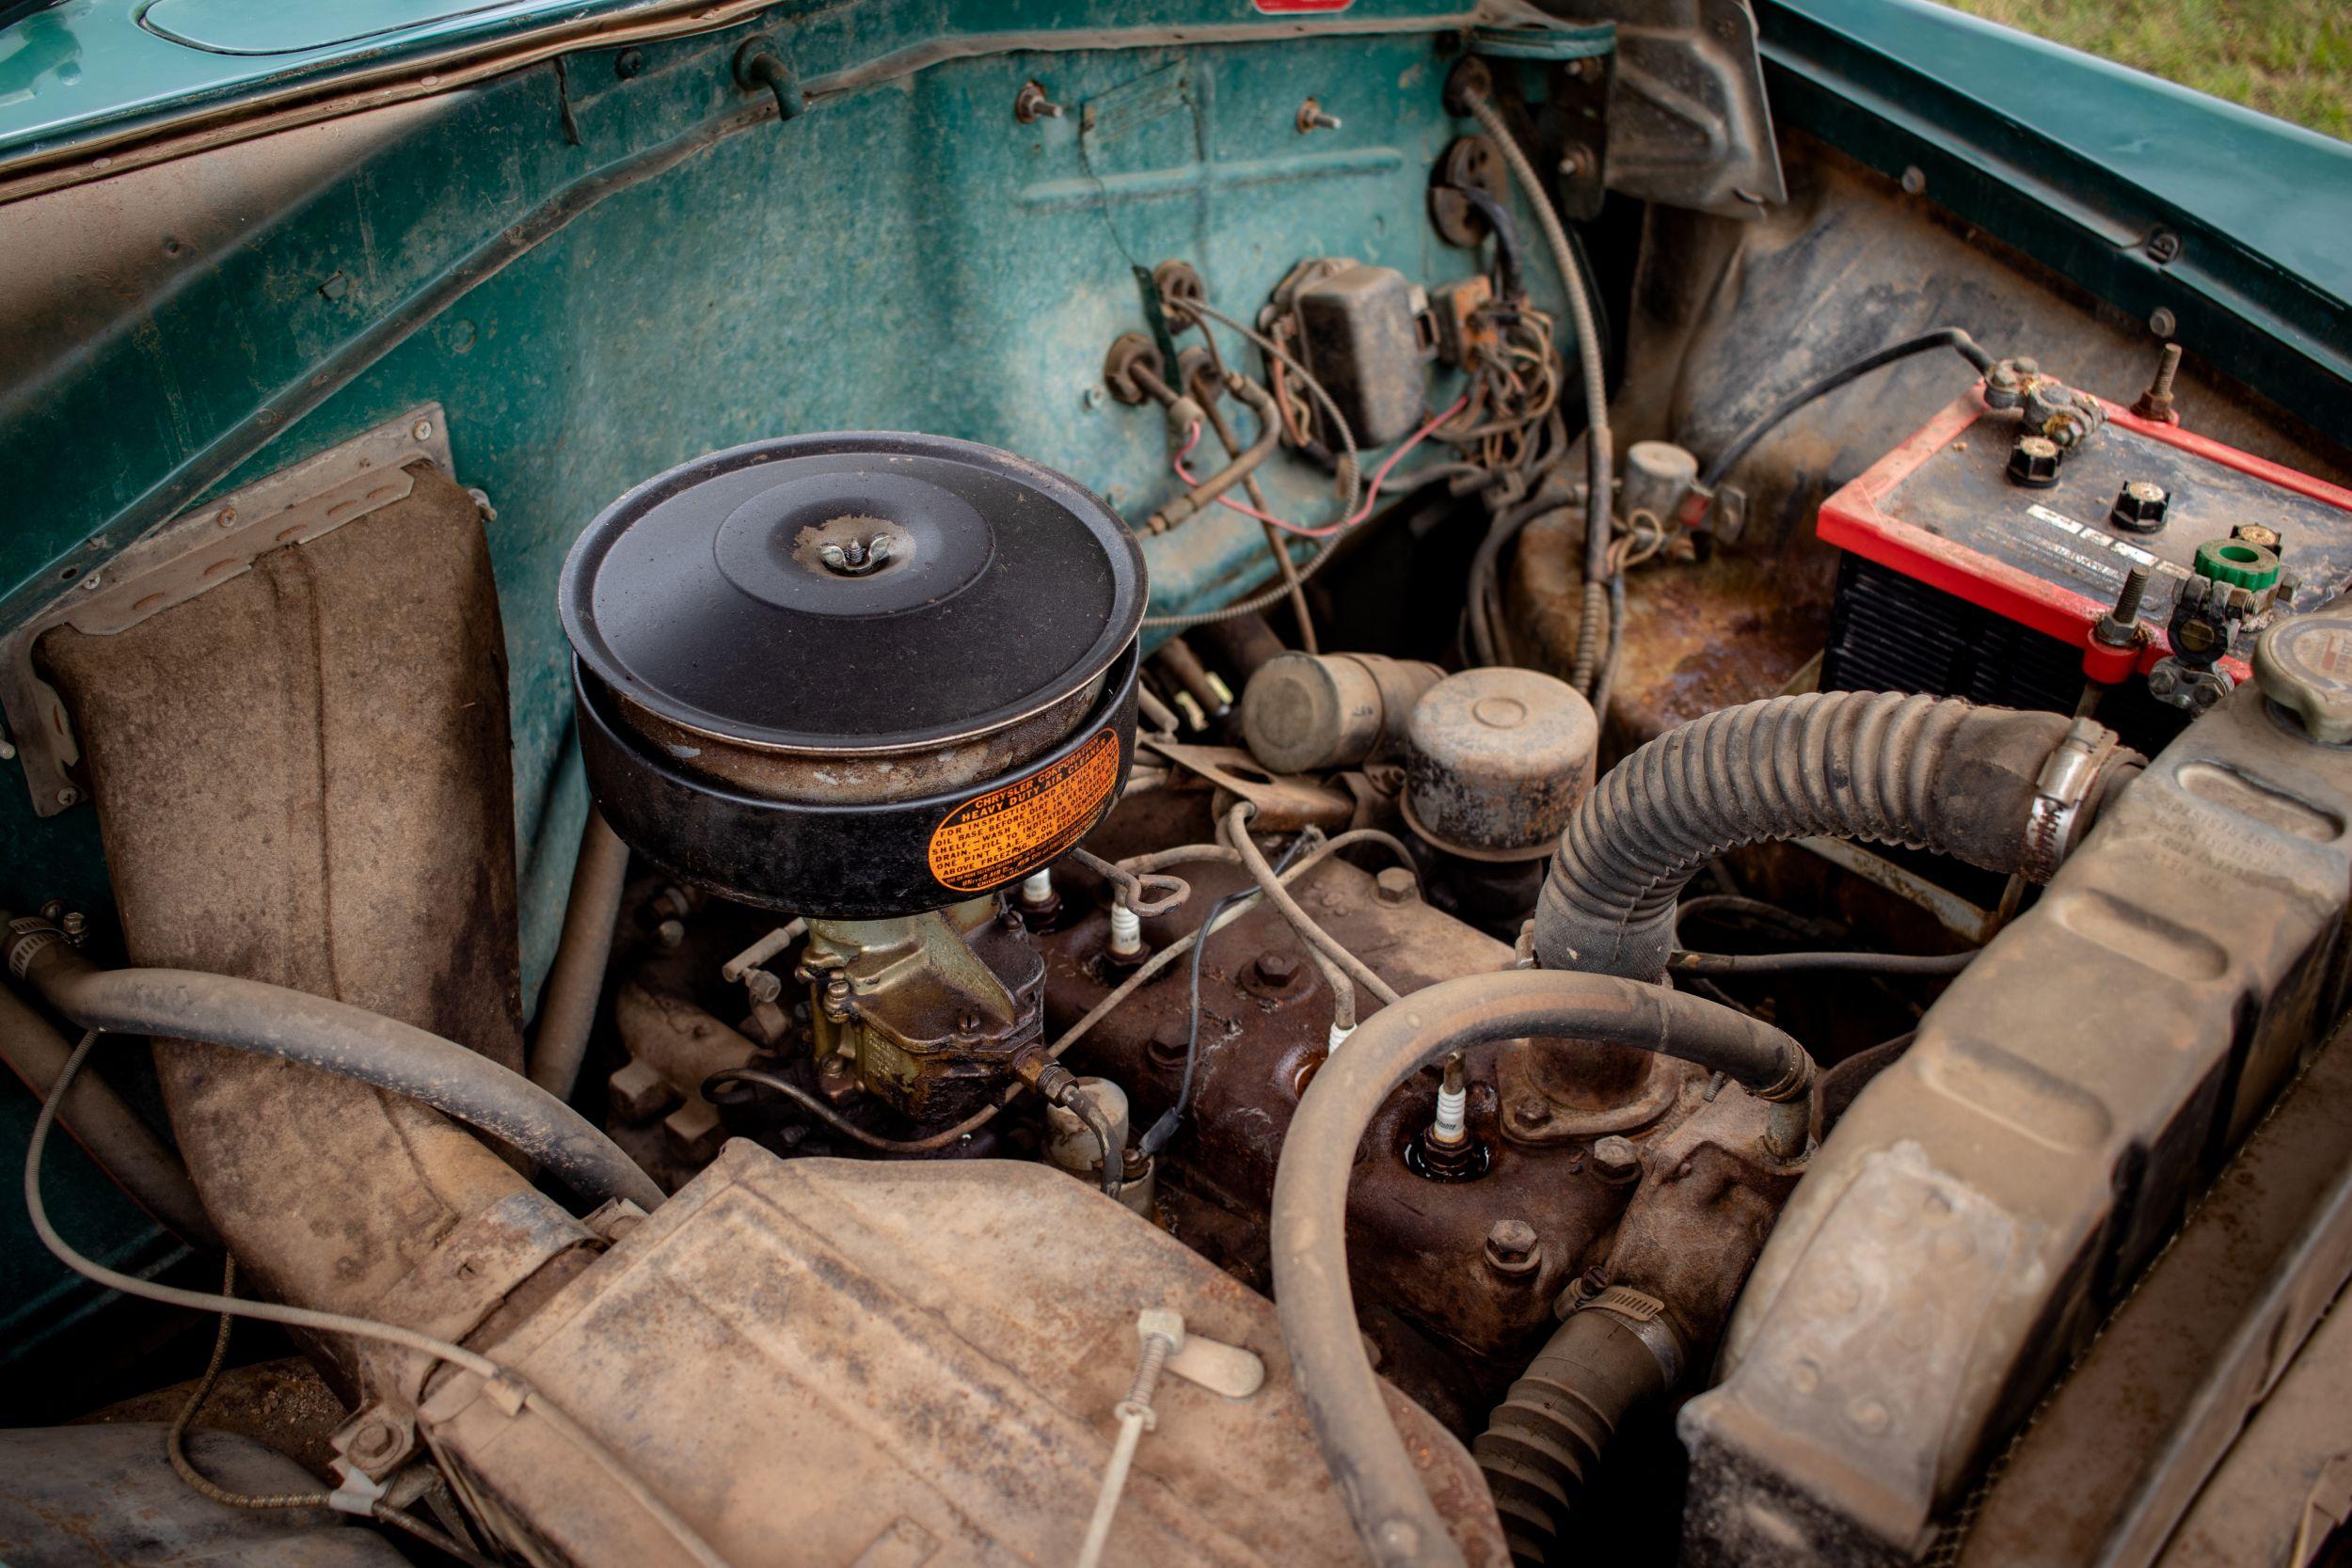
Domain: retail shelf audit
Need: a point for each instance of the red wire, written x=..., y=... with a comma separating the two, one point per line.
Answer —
x=1370, y=495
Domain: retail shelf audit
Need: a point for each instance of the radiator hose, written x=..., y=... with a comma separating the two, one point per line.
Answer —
x=333, y=1037
x=2004, y=790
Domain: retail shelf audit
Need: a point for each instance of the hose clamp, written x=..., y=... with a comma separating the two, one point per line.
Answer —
x=2059, y=794
x=27, y=935
x=1644, y=1317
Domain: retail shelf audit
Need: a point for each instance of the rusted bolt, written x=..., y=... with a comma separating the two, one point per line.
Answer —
x=74, y=923
x=1512, y=1248
x=2164, y=246
x=628, y=64
x=1575, y=162
x=1165, y=1048
x=1395, y=885
x=373, y=1443
x=1616, y=1158
x=1313, y=117
x=967, y=1022
x=1030, y=105
x=1276, y=969
x=1530, y=1111
x=2157, y=401
x=1914, y=179
x=422, y=430
x=670, y=935
x=69, y=795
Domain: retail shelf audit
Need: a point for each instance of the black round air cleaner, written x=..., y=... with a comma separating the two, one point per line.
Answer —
x=855, y=675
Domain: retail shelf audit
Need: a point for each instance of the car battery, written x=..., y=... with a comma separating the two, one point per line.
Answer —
x=1976, y=566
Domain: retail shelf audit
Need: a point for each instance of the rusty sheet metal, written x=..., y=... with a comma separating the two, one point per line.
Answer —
x=302, y=776
x=908, y=1363
x=1699, y=636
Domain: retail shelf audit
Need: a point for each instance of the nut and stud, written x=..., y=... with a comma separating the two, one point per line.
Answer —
x=1513, y=1249
x=2139, y=507
x=1313, y=117
x=1030, y=105
x=1395, y=885
x=2120, y=627
x=2157, y=401
x=2033, y=461
x=857, y=557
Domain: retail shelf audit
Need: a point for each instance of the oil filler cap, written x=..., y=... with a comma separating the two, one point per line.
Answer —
x=855, y=675
x=2304, y=664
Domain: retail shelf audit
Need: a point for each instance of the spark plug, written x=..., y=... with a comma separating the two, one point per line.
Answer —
x=1445, y=1151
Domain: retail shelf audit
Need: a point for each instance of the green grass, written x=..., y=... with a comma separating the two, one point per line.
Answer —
x=2292, y=58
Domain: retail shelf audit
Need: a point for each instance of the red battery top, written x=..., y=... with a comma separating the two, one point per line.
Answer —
x=1941, y=509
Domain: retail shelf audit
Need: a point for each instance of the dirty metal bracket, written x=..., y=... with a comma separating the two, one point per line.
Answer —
x=1285, y=804
x=196, y=551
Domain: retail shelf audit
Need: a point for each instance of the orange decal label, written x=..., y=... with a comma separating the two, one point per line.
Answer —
x=992, y=839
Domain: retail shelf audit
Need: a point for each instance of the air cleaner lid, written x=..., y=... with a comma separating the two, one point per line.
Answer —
x=852, y=592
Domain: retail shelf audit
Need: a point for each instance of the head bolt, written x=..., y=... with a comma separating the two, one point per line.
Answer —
x=1165, y=1048
x=1395, y=885
x=1513, y=1249
x=1276, y=969
x=1616, y=1158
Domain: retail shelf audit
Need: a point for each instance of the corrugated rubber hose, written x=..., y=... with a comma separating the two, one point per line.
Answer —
x=2003, y=790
